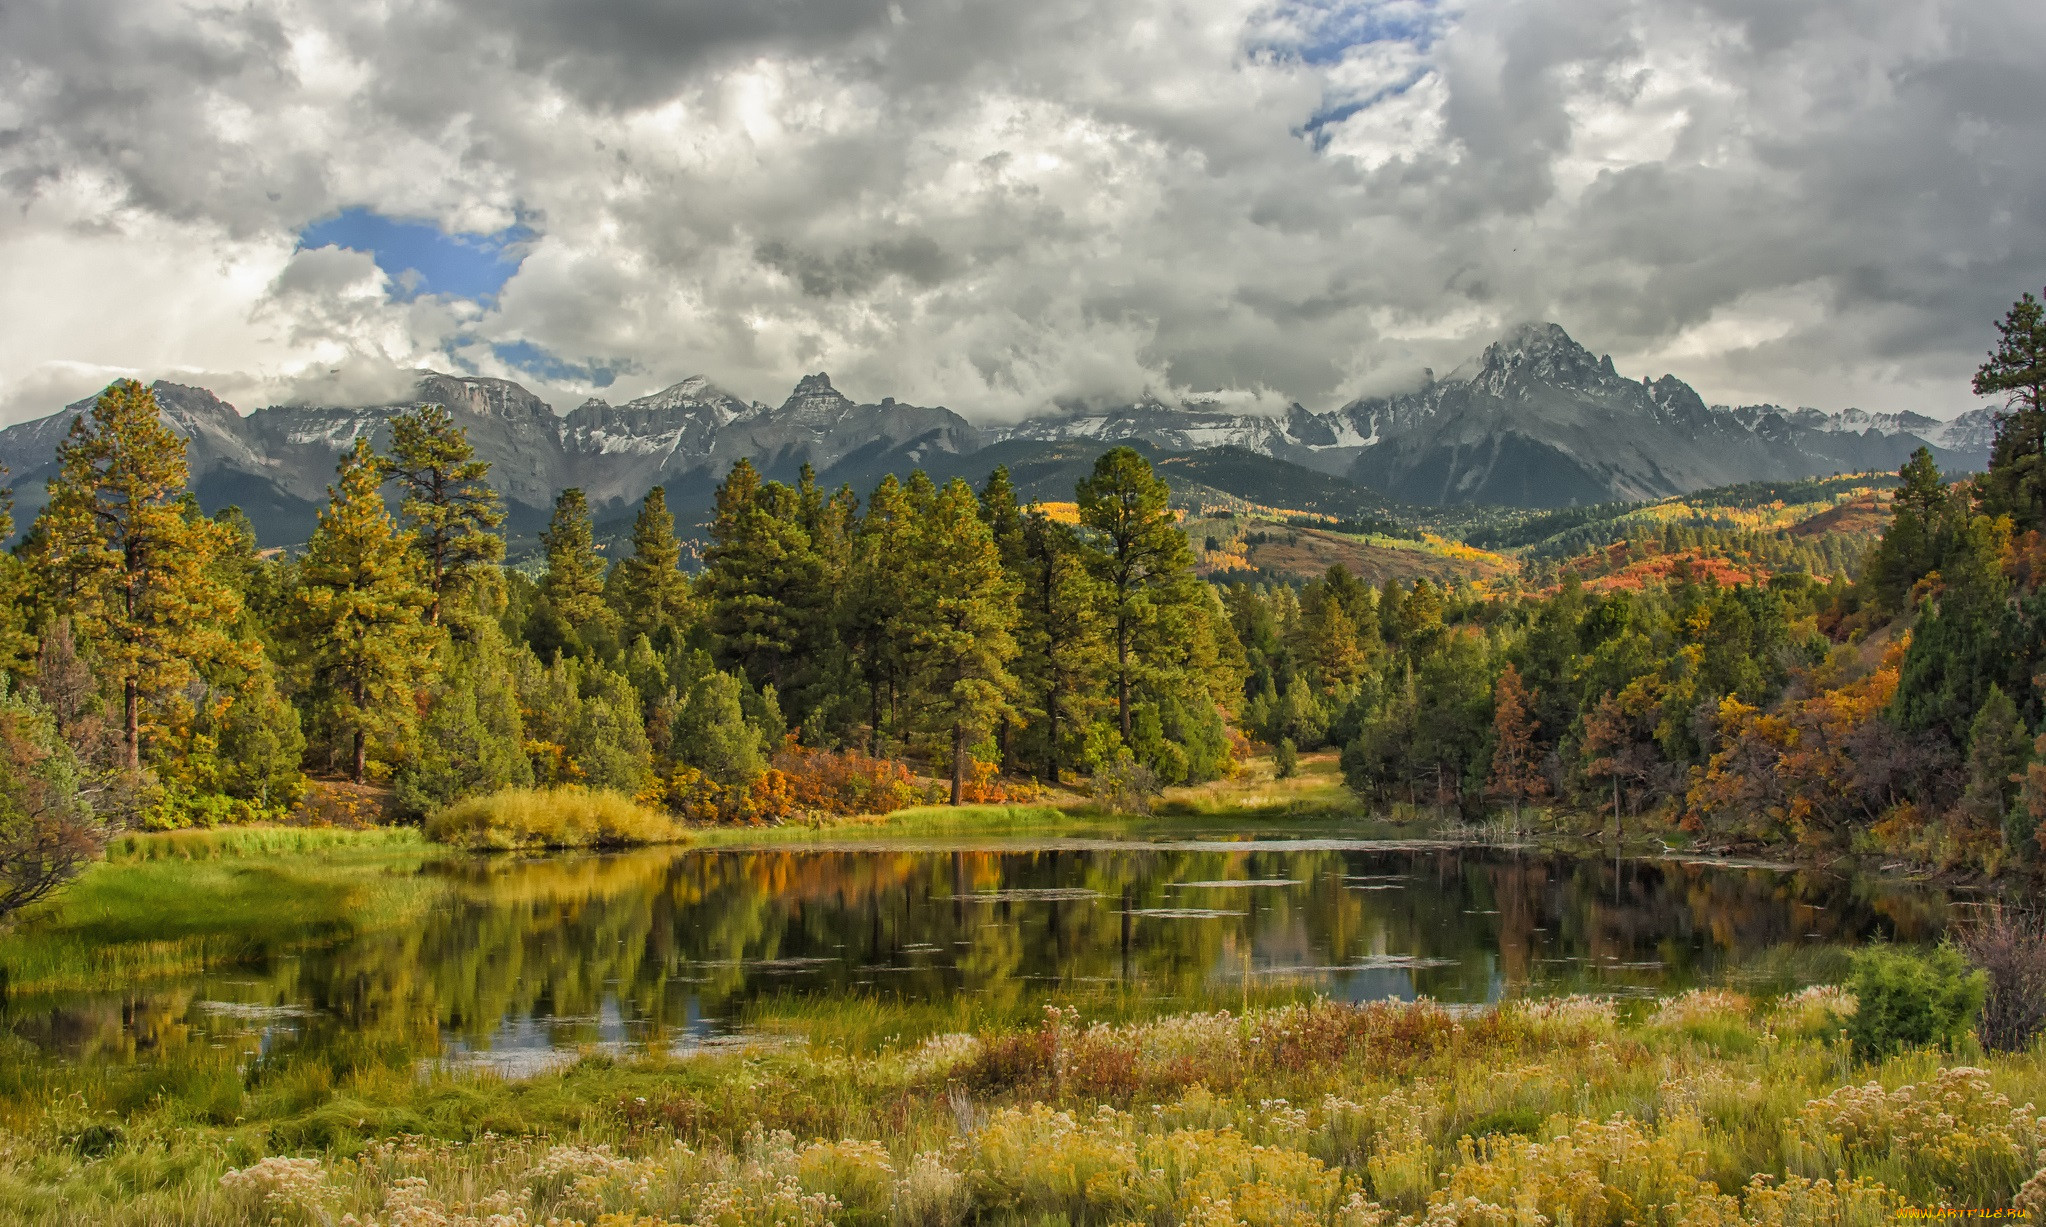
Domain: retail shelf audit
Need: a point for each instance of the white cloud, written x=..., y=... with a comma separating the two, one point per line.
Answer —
x=998, y=207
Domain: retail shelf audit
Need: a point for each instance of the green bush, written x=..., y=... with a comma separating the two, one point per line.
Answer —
x=1910, y=1000
x=1286, y=759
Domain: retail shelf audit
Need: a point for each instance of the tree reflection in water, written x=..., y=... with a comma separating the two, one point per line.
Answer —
x=659, y=946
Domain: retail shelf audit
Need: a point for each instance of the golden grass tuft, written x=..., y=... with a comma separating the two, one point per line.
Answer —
x=552, y=818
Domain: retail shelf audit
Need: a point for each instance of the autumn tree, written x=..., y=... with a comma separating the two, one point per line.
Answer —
x=1137, y=554
x=1516, y=766
x=127, y=557
x=358, y=616
x=48, y=831
x=654, y=595
x=452, y=512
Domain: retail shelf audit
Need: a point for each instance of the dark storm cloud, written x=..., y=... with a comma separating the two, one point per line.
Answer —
x=1002, y=205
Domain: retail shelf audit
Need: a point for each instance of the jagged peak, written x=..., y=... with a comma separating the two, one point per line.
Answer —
x=816, y=385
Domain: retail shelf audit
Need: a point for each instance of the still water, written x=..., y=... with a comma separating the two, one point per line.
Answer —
x=526, y=959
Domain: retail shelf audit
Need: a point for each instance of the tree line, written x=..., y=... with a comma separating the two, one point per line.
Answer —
x=155, y=652
x=161, y=670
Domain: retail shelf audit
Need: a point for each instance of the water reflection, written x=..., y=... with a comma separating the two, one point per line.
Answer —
x=528, y=957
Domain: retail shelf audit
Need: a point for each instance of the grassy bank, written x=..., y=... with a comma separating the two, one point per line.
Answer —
x=179, y=902
x=1711, y=1108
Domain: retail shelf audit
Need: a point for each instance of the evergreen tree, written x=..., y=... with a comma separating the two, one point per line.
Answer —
x=1925, y=521
x=869, y=614
x=359, y=612
x=450, y=508
x=1061, y=644
x=261, y=746
x=1997, y=749
x=764, y=582
x=1137, y=553
x=2015, y=484
x=607, y=740
x=711, y=732
x=653, y=593
x=471, y=741
x=962, y=614
x=574, y=583
x=128, y=559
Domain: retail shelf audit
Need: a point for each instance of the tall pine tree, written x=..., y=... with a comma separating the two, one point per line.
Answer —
x=1062, y=647
x=1136, y=551
x=574, y=582
x=125, y=555
x=654, y=595
x=449, y=506
x=962, y=611
x=764, y=582
x=359, y=613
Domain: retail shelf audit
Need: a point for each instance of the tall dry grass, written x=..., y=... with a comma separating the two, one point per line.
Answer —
x=535, y=818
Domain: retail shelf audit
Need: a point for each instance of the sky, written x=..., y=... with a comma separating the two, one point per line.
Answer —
x=1004, y=207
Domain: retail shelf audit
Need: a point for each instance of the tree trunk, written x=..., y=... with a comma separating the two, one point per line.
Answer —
x=359, y=760
x=1051, y=738
x=874, y=708
x=131, y=724
x=958, y=761
x=1122, y=678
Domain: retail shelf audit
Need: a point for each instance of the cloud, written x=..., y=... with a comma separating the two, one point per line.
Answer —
x=1005, y=207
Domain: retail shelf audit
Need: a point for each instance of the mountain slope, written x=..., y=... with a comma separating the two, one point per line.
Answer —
x=1535, y=421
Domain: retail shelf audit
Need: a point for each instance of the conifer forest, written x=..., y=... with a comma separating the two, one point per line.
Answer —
x=841, y=650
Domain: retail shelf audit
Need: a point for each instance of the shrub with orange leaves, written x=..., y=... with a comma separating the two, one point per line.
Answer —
x=1809, y=769
x=847, y=781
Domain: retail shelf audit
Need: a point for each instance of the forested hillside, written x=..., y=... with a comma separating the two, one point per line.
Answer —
x=1732, y=680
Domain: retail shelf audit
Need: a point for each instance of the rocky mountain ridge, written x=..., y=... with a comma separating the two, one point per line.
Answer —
x=1536, y=420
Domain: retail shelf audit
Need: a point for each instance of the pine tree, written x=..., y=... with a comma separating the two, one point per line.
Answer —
x=962, y=614
x=261, y=746
x=124, y=554
x=2015, y=484
x=1061, y=644
x=1516, y=774
x=653, y=593
x=471, y=741
x=359, y=612
x=869, y=613
x=574, y=583
x=1138, y=554
x=764, y=583
x=1997, y=748
x=711, y=732
x=449, y=506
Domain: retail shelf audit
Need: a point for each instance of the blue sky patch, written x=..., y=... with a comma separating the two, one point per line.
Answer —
x=533, y=360
x=1326, y=29
x=421, y=258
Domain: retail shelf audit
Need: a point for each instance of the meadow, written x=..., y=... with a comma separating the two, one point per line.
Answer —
x=1708, y=1108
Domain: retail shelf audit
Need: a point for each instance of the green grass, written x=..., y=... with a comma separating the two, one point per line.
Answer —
x=1307, y=1113
x=179, y=902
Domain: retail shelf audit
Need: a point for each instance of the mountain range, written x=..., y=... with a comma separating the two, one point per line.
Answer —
x=1536, y=420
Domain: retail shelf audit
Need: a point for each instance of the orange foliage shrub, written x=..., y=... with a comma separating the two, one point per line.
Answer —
x=767, y=800
x=847, y=781
x=1809, y=769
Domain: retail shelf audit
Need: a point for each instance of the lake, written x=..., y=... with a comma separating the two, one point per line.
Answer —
x=527, y=959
